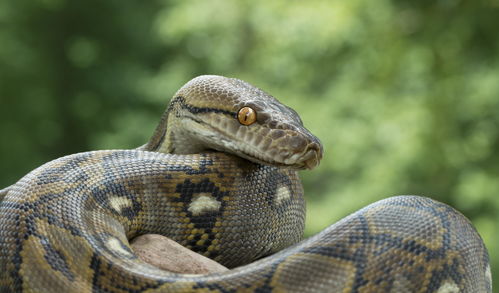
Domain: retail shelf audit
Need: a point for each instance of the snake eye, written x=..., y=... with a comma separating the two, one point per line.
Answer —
x=246, y=116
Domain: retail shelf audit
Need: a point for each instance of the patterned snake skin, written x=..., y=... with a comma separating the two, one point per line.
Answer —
x=65, y=227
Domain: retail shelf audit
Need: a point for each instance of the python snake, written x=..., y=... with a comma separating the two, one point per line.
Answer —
x=219, y=176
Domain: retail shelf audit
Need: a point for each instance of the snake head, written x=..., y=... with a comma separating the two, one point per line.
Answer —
x=233, y=116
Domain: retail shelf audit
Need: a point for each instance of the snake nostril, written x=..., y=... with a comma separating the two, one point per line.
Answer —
x=317, y=148
x=314, y=146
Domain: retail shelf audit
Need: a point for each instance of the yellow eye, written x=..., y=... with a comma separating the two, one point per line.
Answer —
x=246, y=116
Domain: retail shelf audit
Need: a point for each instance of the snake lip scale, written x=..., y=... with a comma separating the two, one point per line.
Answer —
x=220, y=176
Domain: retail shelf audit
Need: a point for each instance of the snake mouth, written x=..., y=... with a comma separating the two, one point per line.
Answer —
x=309, y=160
x=279, y=154
x=293, y=148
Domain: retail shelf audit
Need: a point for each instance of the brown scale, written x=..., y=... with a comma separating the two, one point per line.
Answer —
x=65, y=226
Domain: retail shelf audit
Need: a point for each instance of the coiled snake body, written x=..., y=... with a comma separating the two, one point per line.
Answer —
x=219, y=176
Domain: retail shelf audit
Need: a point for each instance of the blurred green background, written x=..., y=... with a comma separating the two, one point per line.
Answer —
x=403, y=94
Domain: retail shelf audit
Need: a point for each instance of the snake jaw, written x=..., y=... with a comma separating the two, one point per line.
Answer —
x=293, y=148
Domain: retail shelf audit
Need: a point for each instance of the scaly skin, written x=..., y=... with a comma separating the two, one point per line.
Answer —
x=65, y=226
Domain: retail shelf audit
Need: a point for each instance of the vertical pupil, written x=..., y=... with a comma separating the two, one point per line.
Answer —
x=246, y=116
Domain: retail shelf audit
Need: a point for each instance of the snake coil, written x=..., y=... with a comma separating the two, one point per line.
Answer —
x=219, y=176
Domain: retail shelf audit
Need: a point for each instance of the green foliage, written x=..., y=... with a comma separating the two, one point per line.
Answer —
x=403, y=94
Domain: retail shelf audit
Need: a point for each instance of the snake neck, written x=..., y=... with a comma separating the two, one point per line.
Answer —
x=169, y=137
x=161, y=138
